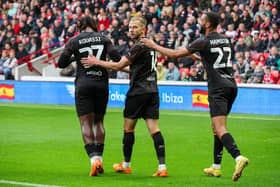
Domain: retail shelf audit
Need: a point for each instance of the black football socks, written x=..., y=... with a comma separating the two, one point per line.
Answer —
x=94, y=149
x=159, y=146
x=128, y=141
x=230, y=145
x=218, y=150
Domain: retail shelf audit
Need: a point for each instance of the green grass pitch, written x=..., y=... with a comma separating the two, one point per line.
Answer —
x=42, y=144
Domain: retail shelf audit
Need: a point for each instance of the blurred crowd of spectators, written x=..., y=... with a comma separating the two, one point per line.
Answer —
x=27, y=26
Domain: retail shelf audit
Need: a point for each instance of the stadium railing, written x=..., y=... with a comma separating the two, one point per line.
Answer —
x=43, y=65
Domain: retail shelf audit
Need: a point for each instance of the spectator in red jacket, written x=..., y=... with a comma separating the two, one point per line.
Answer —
x=268, y=77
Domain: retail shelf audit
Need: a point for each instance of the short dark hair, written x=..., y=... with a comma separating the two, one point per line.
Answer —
x=213, y=18
x=86, y=21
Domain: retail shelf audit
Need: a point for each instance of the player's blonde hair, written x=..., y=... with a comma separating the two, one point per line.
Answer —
x=140, y=19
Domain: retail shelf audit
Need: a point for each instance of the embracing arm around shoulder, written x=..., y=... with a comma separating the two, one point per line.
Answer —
x=119, y=66
x=171, y=53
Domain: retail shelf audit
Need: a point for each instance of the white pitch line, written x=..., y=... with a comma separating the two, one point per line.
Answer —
x=26, y=184
x=208, y=115
x=57, y=107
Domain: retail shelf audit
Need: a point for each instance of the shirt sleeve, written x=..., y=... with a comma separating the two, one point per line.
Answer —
x=64, y=59
x=198, y=45
x=135, y=52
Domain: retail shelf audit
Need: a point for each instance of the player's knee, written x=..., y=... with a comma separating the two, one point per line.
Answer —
x=98, y=119
x=220, y=131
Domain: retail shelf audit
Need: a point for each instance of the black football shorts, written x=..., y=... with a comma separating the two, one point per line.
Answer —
x=221, y=100
x=144, y=106
x=91, y=96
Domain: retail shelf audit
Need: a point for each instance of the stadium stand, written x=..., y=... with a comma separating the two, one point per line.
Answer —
x=42, y=25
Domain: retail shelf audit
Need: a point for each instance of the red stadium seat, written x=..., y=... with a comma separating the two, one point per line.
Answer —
x=256, y=56
x=266, y=55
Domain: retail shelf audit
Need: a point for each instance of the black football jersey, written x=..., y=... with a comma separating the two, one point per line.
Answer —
x=84, y=44
x=142, y=73
x=216, y=52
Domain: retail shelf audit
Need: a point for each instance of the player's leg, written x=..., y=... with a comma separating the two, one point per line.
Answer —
x=86, y=122
x=99, y=100
x=91, y=109
x=128, y=142
x=230, y=145
x=99, y=137
x=132, y=111
x=151, y=116
x=154, y=130
x=220, y=106
x=215, y=168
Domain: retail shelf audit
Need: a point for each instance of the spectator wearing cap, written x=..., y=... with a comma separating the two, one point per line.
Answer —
x=273, y=57
x=21, y=52
x=14, y=44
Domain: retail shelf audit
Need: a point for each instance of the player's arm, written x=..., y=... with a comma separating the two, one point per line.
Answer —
x=115, y=55
x=65, y=57
x=90, y=61
x=172, y=53
x=195, y=57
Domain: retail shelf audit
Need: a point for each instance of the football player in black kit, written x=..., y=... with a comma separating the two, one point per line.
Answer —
x=216, y=52
x=91, y=86
x=142, y=99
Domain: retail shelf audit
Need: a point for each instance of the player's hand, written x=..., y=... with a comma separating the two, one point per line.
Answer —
x=89, y=61
x=148, y=42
